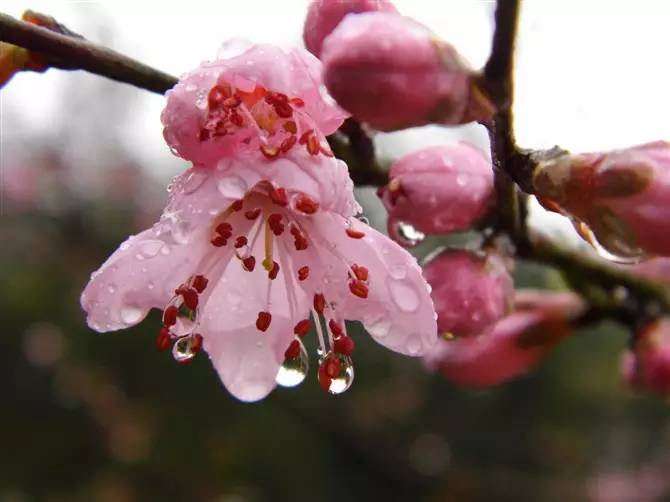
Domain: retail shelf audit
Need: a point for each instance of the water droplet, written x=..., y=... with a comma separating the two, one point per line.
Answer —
x=111, y=288
x=406, y=235
x=414, y=345
x=378, y=327
x=294, y=370
x=181, y=231
x=186, y=348
x=149, y=248
x=193, y=181
x=151, y=285
x=165, y=250
x=461, y=180
x=364, y=220
x=130, y=314
x=398, y=271
x=232, y=187
x=336, y=373
x=403, y=293
x=125, y=245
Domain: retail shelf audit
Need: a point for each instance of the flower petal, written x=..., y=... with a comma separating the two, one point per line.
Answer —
x=142, y=273
x=398, y=311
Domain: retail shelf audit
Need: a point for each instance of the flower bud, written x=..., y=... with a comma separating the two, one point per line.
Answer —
x=618, y=200
x=323, y=17
x=438, y=190
x=512, y=346
x=647, y=366
x=392, y=72
x=470, y=291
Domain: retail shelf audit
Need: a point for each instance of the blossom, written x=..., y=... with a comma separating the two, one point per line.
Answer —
x=617, y=199
x=647, y=365
x=253, y=249
x=392, y=72
x=439, y=189
x=470, y=291
x=323, y=16
x=512, y=346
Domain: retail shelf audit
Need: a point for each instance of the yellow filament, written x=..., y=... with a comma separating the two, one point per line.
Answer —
x=268, y=263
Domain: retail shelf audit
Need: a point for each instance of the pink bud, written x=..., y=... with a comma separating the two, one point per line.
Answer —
x=470, y=292
x=647, y=366
x=512, y=346
x=393, y=73
x=323, y=17
x=618, y=199
x=440, y=189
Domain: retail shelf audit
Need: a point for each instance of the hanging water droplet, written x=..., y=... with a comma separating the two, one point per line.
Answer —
x=193, y=181
x=232, y=187
x=403, y=293
x=111, y=288
x=407, y=235
x=616, y=249
x=131, y=314
x=294, y=369
x=149, y=248
x=336, y=373
x=185, y=348
x=364, y=220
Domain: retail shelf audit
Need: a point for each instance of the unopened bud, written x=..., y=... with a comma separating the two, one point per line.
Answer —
x=647, y=366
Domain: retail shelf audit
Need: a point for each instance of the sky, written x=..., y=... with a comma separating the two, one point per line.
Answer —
x=590, y=74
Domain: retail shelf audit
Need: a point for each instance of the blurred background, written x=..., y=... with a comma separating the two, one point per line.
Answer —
x=105, y=417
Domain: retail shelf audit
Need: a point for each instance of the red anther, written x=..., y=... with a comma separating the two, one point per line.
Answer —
x=358, y=288
x=190, y=296
x=290, y=126
x=293, y=350
x=196, y=343
x=252, y=214
x=240, y=241
x=355, y=234
x=272, y=274
x=335, y=328
x=313, y=145
x=275, y=224
x=163, y=339
x=236, y=118
x=306, y=204
x=344, y=345
x=302, y=328
x=297, y=102
x=360, y=272
x=199, y=282
x=224, y=229
x=204, y=135
x=217, y=95
x=279, y=196
x=237, y=205
x=280, y=97
x=300, y=244
x=249, y=263
x=288, y=143
x=319, y=303
x=263, y=321
x=170, y=316
x=324, y=380
x=232, y=102
x=332, y=367
x=303, y=273
x=304, y=137
x=270, y=152
x=219, y=241
x=283, y=109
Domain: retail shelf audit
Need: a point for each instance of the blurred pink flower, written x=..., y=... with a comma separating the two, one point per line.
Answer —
x=512, y=346
x=250, y=246
x=323, y=16
x=392, y=72
x=470, y=291
x=618, y=199
x=438, y=190
x=647, y=366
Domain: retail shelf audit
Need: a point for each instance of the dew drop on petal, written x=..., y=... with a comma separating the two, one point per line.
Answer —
x=232, y=187
x=398, y=271
x=414, y=345
x=343, y=380
x=165, y=250
x=407, y=235
x=181, y=231
x=193, y=182
x=378, y=326
x=130, y=314
x=294, y=370
x=149, y=248
x=403, y=294
x=111, y=288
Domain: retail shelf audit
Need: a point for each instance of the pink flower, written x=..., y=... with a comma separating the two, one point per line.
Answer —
x=618, y=199
x=470, y=291
x=512, y=346
x=392, y=72
x=253, y=97
x=438, y=190
x=251, y=246
x=324, y=15
x=647, y=366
